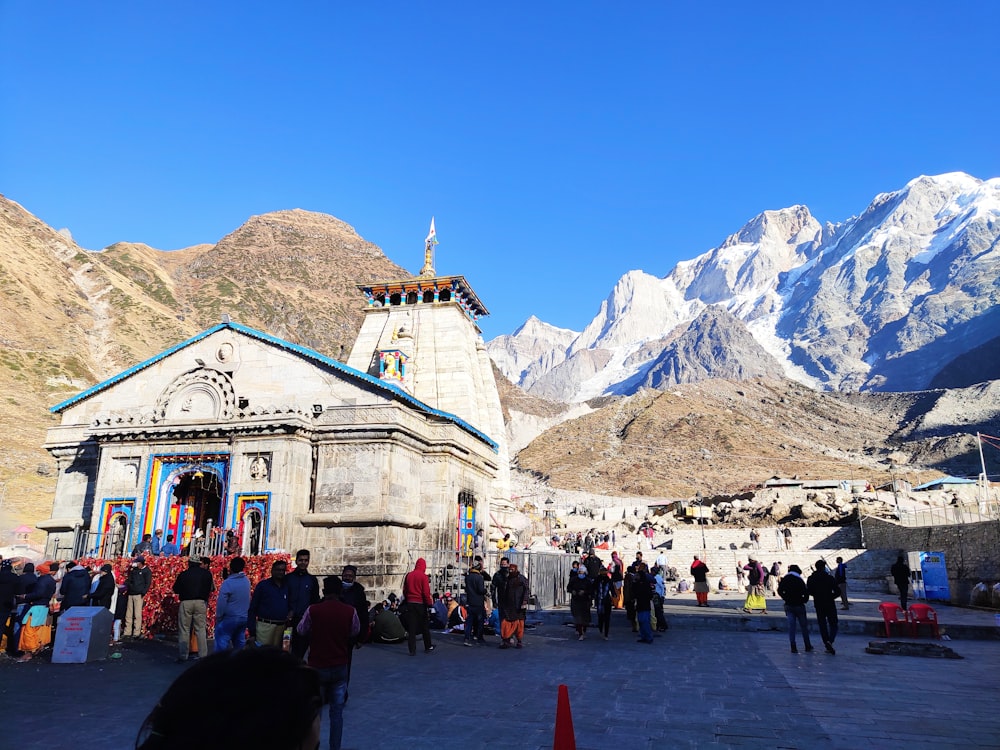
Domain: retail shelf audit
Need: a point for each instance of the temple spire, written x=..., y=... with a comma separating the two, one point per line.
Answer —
x=429, y=243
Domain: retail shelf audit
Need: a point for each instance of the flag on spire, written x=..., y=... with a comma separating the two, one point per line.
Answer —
x=432, y=237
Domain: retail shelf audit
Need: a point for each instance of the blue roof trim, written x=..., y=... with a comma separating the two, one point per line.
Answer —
x=944, y=480
x=302, y=351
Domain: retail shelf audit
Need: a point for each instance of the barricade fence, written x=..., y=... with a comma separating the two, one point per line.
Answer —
x=547, y=573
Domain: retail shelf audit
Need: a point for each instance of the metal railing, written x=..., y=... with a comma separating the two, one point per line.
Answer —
x=952, y=514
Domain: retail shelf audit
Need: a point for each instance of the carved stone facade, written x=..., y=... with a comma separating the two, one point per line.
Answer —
x=282, y=446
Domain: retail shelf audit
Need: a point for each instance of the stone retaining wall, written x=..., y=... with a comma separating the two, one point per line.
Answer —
x=971, y=550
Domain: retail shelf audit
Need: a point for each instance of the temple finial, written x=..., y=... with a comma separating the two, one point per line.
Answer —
x=429, y=243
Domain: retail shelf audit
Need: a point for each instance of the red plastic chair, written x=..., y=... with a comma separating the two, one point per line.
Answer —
x=923, y=614
x=893, y=614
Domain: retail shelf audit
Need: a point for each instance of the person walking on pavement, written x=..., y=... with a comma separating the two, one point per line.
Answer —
x=901, y=577
x=795, y=594
x=841, y=577
x=514, y=611
x=787, y=533
x=642, y=598
x=353, y=593
x=659, y=592
x=603, y=590
x=193, y=587
x=755, y=591
x=581, y=591
x=303, y=591
x=617, y=580
x=417, y=595
x=699, y=572
x=231, y=608
x=330, y=627
x=269, y=613
x=824, y=592
x=137, y=583
x=475, y=602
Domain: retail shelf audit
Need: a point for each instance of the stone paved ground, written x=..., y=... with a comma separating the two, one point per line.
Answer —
x=694, y=687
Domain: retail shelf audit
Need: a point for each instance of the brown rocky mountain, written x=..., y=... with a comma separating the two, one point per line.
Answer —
x=70, y=318
x=720, y=436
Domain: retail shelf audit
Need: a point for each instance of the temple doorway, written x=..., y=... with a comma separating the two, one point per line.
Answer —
x=253, y=528
x=116, y=536
x=196, y=503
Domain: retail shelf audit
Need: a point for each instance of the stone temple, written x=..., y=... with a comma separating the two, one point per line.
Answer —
x=397, y=453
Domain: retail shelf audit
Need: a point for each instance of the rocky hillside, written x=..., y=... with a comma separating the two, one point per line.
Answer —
x=70, y=318
x=723, y=436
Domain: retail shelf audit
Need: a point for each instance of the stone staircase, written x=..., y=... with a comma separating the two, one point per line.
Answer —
x=867, y=568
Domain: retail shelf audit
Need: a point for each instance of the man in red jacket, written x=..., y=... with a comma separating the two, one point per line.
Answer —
x=330, y=626
x=417, y=595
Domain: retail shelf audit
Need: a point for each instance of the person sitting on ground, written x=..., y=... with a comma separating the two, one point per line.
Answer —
x=457, y=615
x=386, y=627
x=682, y=586
x=724, y=584
x=439, y=615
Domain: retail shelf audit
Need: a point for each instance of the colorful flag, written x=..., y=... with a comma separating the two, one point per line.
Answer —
x=432, y=238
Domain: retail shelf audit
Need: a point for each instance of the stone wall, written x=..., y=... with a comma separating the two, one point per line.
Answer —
x=971, y=550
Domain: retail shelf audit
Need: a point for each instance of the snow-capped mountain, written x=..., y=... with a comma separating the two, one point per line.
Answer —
x=885, y=300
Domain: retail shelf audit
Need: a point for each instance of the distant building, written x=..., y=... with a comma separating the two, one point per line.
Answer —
x=943, y=483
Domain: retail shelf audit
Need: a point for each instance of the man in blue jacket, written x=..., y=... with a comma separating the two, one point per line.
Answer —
x=269, y=614
x=231, y=608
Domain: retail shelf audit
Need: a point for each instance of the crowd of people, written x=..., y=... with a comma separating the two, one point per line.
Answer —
x=321, y=625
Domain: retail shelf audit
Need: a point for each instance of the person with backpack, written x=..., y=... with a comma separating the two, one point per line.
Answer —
x=755, y=590
x=795, y=594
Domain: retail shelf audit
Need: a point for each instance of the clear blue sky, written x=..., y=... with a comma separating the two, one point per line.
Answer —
x=558, y=144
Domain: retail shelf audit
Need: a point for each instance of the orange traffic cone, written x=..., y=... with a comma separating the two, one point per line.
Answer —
x=564, y=739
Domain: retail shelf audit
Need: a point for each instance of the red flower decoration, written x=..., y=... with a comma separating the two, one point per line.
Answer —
x=160, y=605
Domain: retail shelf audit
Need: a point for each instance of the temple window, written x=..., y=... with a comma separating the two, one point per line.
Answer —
x=445, y=295
x=411, y=298
x=429, y=296
x=395, y=298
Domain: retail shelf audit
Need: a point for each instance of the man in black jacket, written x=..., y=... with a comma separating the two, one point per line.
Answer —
x=137, y=583
x=303, y=591
x=105, y=591
x=795, y=594
x=75, y=588
x=475, y=598
x=824, y=590
x=193, y=587
x=500, y=585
